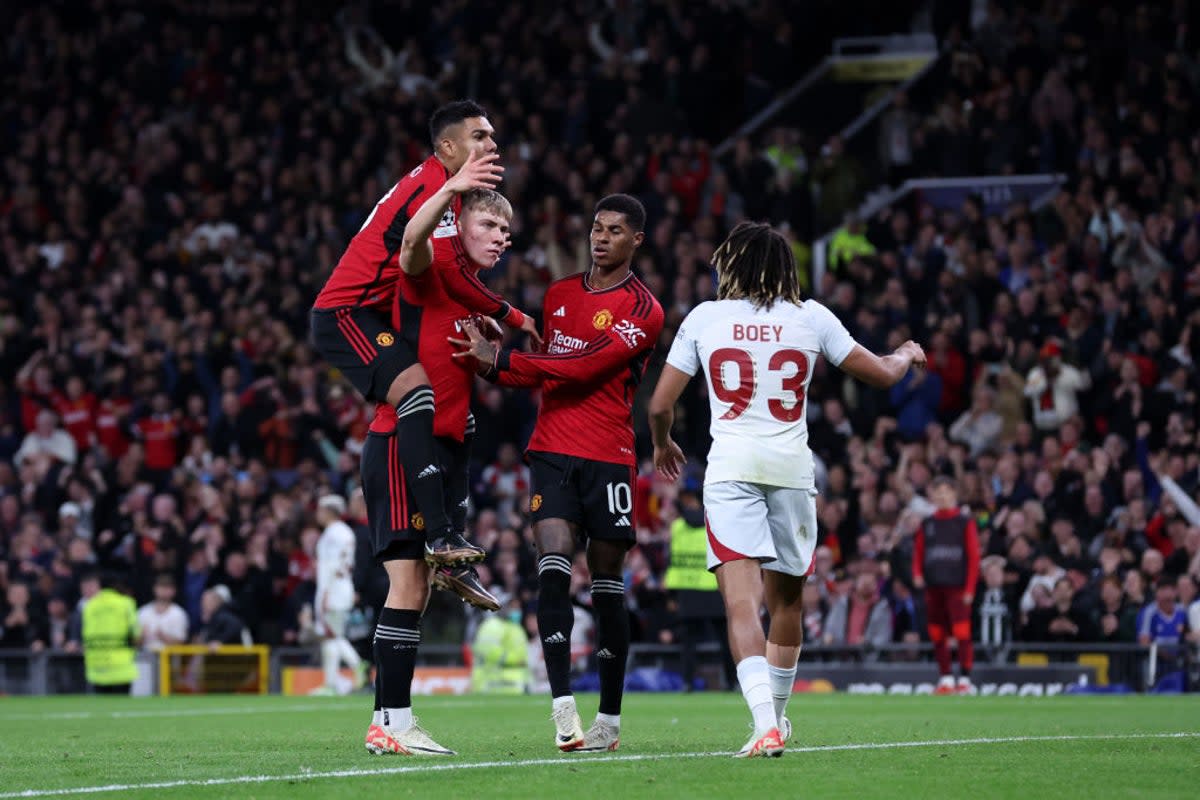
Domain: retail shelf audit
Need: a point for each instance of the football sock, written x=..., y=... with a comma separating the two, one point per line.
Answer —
x=612, y=639
x=418, y=457
x=458, y=479
x=782, y=681
x=397, y=637
x=556, y=618
x=941, y=652
x=755, y=680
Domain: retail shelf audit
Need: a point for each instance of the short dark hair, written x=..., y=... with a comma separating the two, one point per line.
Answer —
x=452, y=114
x=631, y=207
x=756, y=263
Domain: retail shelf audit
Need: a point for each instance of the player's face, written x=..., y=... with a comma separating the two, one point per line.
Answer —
x=472, y=135
x=484, y=235
x=613, y=241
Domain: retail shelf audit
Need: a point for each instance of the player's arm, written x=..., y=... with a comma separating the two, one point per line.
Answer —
x=416, y=251
x=668, y=457
x=464, y=287
x=882, y=372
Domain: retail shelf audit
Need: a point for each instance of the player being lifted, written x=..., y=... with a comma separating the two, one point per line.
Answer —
x=757, y=345
x=599, y=327
x=350, y=316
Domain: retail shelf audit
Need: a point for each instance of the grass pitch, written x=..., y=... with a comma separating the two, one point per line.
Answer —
x=671, y=746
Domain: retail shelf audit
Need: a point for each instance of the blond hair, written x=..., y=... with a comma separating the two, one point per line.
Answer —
x=487, y=200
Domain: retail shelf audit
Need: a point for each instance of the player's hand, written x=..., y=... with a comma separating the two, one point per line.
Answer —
x=914, y=351
x=918, y=583
x=968, y=599
x=480, y=172
x=530, y=329
x=475, y=346
x=669, y=460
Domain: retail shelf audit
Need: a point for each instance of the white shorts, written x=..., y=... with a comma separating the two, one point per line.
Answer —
x=773, y=524
x=334, y=622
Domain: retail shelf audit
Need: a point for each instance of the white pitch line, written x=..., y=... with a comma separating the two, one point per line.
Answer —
x=572, y=761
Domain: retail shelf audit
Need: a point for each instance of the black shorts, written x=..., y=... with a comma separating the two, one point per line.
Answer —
x=397, y=528
x=595, y=495
x=363, y=346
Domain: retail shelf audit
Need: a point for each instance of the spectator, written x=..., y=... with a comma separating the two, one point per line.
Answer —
x=860, y=617
x=1061, y=621
x=163, y=622
x=1115, y=619
x=506, y=480
x=916, y=399
x=219, y=625
x=47, y=441
x=978, y=427
x=22, y=623
x=1165, y=621
x=1053, y=388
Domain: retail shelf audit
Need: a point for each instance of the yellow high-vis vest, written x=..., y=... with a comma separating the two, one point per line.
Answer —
x=110, y=628
x=689, y=559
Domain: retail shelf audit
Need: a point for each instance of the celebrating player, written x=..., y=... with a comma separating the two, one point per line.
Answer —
x=335, y=592
x=599, y=328
x=397, y=533
x=758, y=344
x=350, y=317
x=946, y=566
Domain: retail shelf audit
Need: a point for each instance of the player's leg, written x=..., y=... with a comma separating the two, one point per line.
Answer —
x=739, y=541
x=959, y=613
x=938, y=624
x=792, y=517
x=606, y=561
x=555, y=539
x=401, y=549
x=455, y=459
x=329, y=653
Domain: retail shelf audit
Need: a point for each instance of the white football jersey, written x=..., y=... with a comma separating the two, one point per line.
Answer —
x=335, y=566
x=758, y=363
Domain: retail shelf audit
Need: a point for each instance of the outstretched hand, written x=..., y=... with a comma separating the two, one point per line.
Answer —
x=475, y=346
x=479, y=172
x=530, y=329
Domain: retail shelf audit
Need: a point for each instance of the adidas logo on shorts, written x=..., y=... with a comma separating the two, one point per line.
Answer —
x=429, y=472
x=605, y=653
x=555, y=638
x=623, y=522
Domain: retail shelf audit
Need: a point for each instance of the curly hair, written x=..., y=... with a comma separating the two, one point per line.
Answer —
x=756, y=263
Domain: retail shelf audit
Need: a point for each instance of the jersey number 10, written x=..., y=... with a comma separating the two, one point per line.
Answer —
x=740, y=397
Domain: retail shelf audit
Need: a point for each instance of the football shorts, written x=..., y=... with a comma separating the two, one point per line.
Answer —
x=595, y=495
x=333, y=622
x=361, y=344
x=774, y=525
x=397, y=528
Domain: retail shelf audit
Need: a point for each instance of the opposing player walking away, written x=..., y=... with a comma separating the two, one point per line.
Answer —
x=946, y=566
x=350, y=318
x=335, y=592
x=397, y=530
x=757, y=345
x=600, y=327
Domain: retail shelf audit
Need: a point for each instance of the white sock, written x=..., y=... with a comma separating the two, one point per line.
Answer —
x=347, y=653
x=755, y=680
x=566, y=701
x=329, y=662
x=377, y=717
x=609, y=719
x=781, y=687
x=399, y=719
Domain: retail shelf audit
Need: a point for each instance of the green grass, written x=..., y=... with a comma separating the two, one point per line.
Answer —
x=668, y=748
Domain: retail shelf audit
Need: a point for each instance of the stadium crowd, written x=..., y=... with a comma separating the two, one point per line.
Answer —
x=175, y=188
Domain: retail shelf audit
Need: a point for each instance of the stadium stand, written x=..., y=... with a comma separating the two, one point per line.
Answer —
x=177, y=182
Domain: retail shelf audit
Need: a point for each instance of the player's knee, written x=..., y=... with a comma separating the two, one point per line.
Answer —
x=961, y=631
x=937, y=634
x=405, y=382
x=554, y=536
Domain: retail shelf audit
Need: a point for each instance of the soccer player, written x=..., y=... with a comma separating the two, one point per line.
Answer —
x=599, y=327
x=397, y=532
x=946, y=566
x=757, y=345
x=350, y=316
x=335, y=592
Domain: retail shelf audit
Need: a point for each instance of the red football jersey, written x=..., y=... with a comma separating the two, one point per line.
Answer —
x=79, y=418
x=597, y=345
x=159, y=437
x=367, y=272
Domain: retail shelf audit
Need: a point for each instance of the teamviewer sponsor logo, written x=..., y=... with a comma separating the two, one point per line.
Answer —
x=561, y=343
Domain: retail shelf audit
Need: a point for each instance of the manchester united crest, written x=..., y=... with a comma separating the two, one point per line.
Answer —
x=418, y=522
x=535, y=502
x=603, y=319
x=385, y=339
